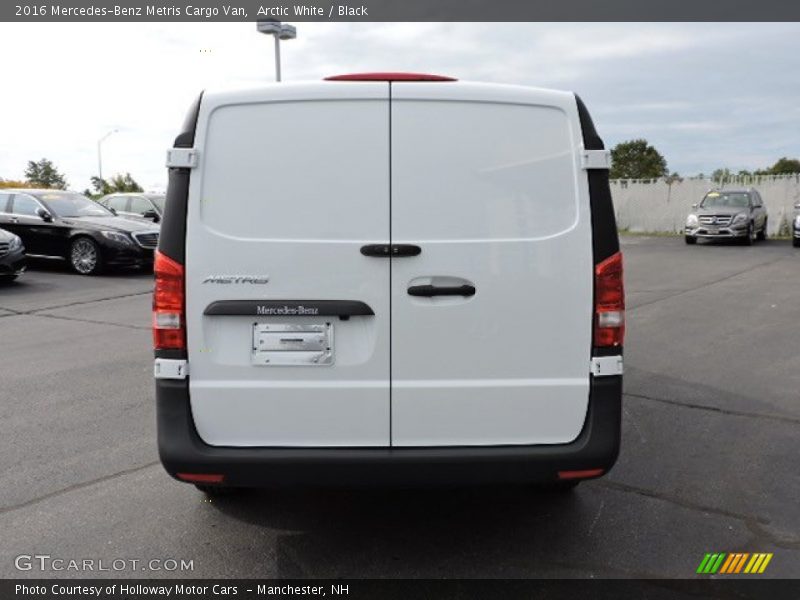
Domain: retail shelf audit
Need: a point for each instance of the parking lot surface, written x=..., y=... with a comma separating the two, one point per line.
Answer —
x=709, y=459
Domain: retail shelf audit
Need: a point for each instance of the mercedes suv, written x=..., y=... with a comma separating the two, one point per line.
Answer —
x=728, y=214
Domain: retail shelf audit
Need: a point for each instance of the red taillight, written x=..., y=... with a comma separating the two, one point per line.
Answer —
x=584, y=474
x=609, y=303
x=201, y=477
x=169, y=328
x=389, y=77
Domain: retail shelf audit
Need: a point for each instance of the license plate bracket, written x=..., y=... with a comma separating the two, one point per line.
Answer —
x=292, y=344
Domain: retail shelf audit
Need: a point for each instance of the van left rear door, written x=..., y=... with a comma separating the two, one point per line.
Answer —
x=287, y=321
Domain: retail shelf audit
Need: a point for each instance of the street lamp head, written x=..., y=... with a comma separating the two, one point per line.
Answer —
x=288, y=32
x=268, y=26
x=284, y=31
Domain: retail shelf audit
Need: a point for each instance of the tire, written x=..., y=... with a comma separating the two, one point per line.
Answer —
x=559, y=487
x=85, y=257
x=796, y=242
x=8, y=278
x=762, y=235
x=691, y=240
x=748, y=240
x=217, y=490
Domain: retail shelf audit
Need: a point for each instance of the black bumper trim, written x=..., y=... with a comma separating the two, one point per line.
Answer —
x=182, y=451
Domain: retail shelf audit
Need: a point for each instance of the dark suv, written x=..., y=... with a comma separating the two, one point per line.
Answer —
x=728, y=214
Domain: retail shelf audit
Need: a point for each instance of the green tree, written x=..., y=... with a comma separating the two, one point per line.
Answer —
x=636, y=159
x=118, y=183
x=721, y=175
x=43, y=174
x=785, y=165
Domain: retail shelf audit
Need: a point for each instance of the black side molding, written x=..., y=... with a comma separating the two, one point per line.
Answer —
x=289, y=308
x=605, y=240
x=172, y=240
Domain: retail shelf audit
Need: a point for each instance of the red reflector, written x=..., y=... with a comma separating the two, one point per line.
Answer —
x=201, y=477
x=585, y=474
x=609, y=294
x=169, y=328
x=389, y=77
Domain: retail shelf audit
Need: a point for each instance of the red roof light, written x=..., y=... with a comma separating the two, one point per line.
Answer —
x=389, y=77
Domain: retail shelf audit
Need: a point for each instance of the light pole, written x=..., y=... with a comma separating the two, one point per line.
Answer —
x=280, y=31
x=100, y=153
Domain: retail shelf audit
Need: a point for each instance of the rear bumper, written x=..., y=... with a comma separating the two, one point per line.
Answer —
x=182, y=451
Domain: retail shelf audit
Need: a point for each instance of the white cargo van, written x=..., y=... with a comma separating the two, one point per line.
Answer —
x=388, y=277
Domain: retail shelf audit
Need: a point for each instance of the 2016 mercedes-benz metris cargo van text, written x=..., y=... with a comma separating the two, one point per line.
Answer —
x=388, y=277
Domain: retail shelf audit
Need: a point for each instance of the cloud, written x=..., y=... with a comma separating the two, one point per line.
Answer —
x=706, y=95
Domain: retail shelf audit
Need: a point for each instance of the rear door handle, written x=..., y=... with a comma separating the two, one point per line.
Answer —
x=389, y=250
x=428, y=291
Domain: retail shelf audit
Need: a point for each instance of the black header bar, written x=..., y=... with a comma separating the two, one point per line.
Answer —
x=406, y=10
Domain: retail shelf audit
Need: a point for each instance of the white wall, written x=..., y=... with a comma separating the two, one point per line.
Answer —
x=655, y=205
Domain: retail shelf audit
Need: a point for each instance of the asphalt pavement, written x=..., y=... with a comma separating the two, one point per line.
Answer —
x=709, y=459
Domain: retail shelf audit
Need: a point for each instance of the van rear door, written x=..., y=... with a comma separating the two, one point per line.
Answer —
x=287, y=322
x=492, y=321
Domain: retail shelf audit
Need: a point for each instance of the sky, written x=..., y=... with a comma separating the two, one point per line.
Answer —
x=705, y=95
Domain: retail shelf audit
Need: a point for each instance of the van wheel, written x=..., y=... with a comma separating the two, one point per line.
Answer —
x=690, y=239
x=217, y=490
x=85, y=257
x=762, y=235
x=796, y=242
x=559, y=487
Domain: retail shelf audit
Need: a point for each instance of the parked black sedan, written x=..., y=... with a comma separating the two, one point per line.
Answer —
x=70, y=226
x=12, y=256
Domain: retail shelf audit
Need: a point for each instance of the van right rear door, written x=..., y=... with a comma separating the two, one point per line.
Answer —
x=492, y=320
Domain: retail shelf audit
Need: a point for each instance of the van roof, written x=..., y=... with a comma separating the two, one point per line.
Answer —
x=324, y=89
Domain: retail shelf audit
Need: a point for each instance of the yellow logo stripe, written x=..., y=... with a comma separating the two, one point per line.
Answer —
x=765, y=563
x=753, y=564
